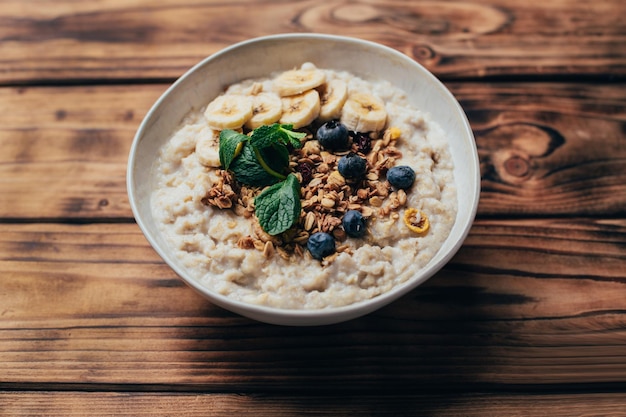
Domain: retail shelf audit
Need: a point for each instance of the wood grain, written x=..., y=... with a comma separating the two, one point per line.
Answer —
x=65, y=150
x=528, y=318
x=549, y=149
x=52, y=40
x=66, y=404
x=546, y=149
x=93, y=306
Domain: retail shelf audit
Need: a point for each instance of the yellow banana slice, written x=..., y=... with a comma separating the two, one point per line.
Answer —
x=300, y=110
x=229, y=111
x=298, y=81
x=363, y=112
x=333, y=97
x=266, y=109
x=208, y=149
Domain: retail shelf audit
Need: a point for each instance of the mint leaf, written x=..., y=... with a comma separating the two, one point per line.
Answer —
x=263, y=159
x=277, y=157
x=266, y=136
x=291, y=136
x=229, y=142
x=249, y=171
x=278, y=207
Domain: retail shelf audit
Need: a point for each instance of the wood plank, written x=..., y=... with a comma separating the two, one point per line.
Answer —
x=67, y=404
x=65, y=150
x=545, y=148
x=549, y=149
x=519, y=304
x=52, y=40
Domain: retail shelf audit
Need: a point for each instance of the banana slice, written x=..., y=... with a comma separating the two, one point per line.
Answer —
x=208, y=149
x=332, y=99
x=298, y=81
x=300, y=110
x=266, y=109
x=228, y=111
x=364, y=112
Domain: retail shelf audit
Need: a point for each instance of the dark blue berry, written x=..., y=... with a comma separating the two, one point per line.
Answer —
x=401, y=177
x=354, y=223
x=321, y=244
x=352, y=166
x=333, y=136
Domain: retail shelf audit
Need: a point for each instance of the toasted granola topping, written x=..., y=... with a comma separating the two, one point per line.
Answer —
x=326, y=196
x=224, y=193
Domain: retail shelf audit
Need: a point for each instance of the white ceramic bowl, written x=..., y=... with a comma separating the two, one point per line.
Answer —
x=258, y=58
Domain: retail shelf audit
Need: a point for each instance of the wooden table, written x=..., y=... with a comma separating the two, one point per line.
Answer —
x=528, y=319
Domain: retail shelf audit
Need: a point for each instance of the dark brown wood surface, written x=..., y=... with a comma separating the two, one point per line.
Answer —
x=528, y=319
x=49, y=40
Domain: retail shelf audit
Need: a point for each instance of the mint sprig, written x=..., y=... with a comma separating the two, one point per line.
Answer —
x=229, y=142
x=248, y=170
x=265, y=136
x=278, y=206
x=261, y=159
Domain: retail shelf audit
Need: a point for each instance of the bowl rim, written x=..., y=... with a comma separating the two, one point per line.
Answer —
x=306, y=317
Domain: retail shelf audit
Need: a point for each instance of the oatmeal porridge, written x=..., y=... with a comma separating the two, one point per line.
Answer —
x=308, y=189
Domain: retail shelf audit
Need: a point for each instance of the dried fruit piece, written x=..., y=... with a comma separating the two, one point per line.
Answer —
x=416, y=220
x=392, y=133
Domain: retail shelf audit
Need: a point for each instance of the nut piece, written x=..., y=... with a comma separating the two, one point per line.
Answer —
x=336, y=179
x=246, y=242
x=376, y=201
x=328, y=203
x=309, y=221
x=311, y=147
x=401, y=197
x=268, y=249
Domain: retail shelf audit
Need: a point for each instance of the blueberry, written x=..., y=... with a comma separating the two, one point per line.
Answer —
x=333, y=136
x=401, y=177
x=354, y=223
x=321, y=244
x=352, y=166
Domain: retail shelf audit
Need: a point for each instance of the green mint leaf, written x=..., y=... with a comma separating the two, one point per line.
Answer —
x=259, y=159
x=292, y=137
x=276, y=157
x=249, y=171
x=262, y=161
x=229, y=145
x=266, y=136
x=278, y=207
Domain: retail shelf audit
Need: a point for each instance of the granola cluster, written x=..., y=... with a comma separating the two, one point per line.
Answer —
x=325, y=194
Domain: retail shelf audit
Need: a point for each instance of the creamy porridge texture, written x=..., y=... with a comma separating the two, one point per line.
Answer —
x=208, y=215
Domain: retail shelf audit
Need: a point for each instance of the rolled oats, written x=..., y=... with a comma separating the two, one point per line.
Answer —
x=376, y=201
x=328, y=202
x=309, y=221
